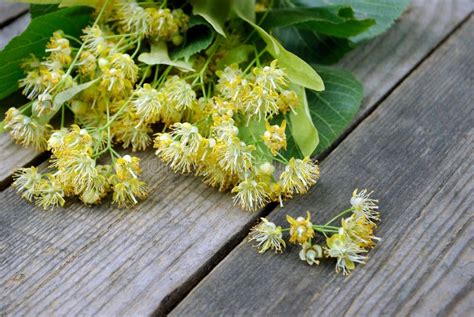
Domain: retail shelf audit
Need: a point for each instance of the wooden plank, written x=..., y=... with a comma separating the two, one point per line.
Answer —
x=416, y=150
x=104, y=261
x=10, y=11
x=12, y=155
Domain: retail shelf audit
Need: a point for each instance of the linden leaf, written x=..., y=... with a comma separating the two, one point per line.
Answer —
x=303, y=131
x=215, y=12
x=297, y=70
x=236, y=55
x=159, y=56
x=199, y=36
x=69, y=93
x=337, y=21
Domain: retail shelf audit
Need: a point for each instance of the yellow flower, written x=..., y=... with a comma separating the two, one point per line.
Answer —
x=275, y=137
x=250, y=194
x=364, y=206
x=27, y=182
x=267, y=236
x=27, y=131
x=234, y=156
x=301, y=229
x=346, y=251
x=51, y=193
x=311, y=253
x=127, y=193
x=359, y=230
x=299, y=176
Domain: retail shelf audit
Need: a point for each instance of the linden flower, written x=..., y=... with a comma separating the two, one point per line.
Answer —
x=179, y=93
x=288, y=101
x=275, y=137
x=132, y=18
x=299, y=176
x=27, y=181
x=51, y=193
x=301, y=229
x=231, y=83
x=250, y=194
x=26, y=130
x=188, y=135
x=364, y=206
x=311, y=253
x=127, y=193
x=270, y=77
x=267, y=236
x=235, y=157
x=127, y=167
x=147, y=103
x=346, y=251
x=359, y=230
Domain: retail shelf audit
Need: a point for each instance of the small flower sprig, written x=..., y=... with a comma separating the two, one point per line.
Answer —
x=348, y=244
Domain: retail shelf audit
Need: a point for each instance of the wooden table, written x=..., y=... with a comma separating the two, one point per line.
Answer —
x=183, y=250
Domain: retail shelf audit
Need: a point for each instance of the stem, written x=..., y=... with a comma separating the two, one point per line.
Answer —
x=339, y=215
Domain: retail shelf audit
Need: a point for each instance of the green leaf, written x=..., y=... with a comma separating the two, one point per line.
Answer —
x=303, y=131
x=384, y=12
x=33, y=41
x=297, y=70
x=314, y=47
x=338, y=21
x=333, y=109
x=318, y=48
x=236, y=55
x=159, y=56
x=215, y=12
x=69, y=93
x=37, y=10
x=198, y=38
x=251, y=132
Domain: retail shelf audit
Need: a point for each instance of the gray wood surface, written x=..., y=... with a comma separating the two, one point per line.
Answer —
x=9, y=10
x=108, y=262
x=416, y=151
x=12, y=155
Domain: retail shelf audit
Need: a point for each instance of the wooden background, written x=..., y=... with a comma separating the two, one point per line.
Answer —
x=183, y=250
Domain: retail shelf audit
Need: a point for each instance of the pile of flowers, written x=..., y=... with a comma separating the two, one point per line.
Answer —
x=116, y=99
x=210, y=87
x=348, y=244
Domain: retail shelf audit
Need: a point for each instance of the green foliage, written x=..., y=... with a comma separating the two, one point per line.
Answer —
x=198, y=38
x=333, y=109
x=37, y=10
x=298, y=71
x=316, y=46
x=215, y=12
x=303, y=131
x=159, y=56
x=337, y=21
x=33, y=41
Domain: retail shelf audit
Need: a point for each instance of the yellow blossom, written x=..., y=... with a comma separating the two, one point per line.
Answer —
x=301, y=229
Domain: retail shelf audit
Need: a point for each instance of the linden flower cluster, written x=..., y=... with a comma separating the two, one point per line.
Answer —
x=348, y=244
x=99, y=84
x=228, y=126
x=218, y=145
x=74, y=172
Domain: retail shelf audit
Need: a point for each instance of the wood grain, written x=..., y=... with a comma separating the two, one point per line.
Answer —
x=9, y=11
x=416, y=150
x=102, y=261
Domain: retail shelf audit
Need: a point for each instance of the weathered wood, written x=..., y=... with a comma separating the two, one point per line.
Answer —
x=416, y=150
x=104, y=261
x=10, y=11
x=12, y=155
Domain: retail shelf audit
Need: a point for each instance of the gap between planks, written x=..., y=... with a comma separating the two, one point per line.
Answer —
x=415, y=56
x=283, y=285
x=173, y=300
